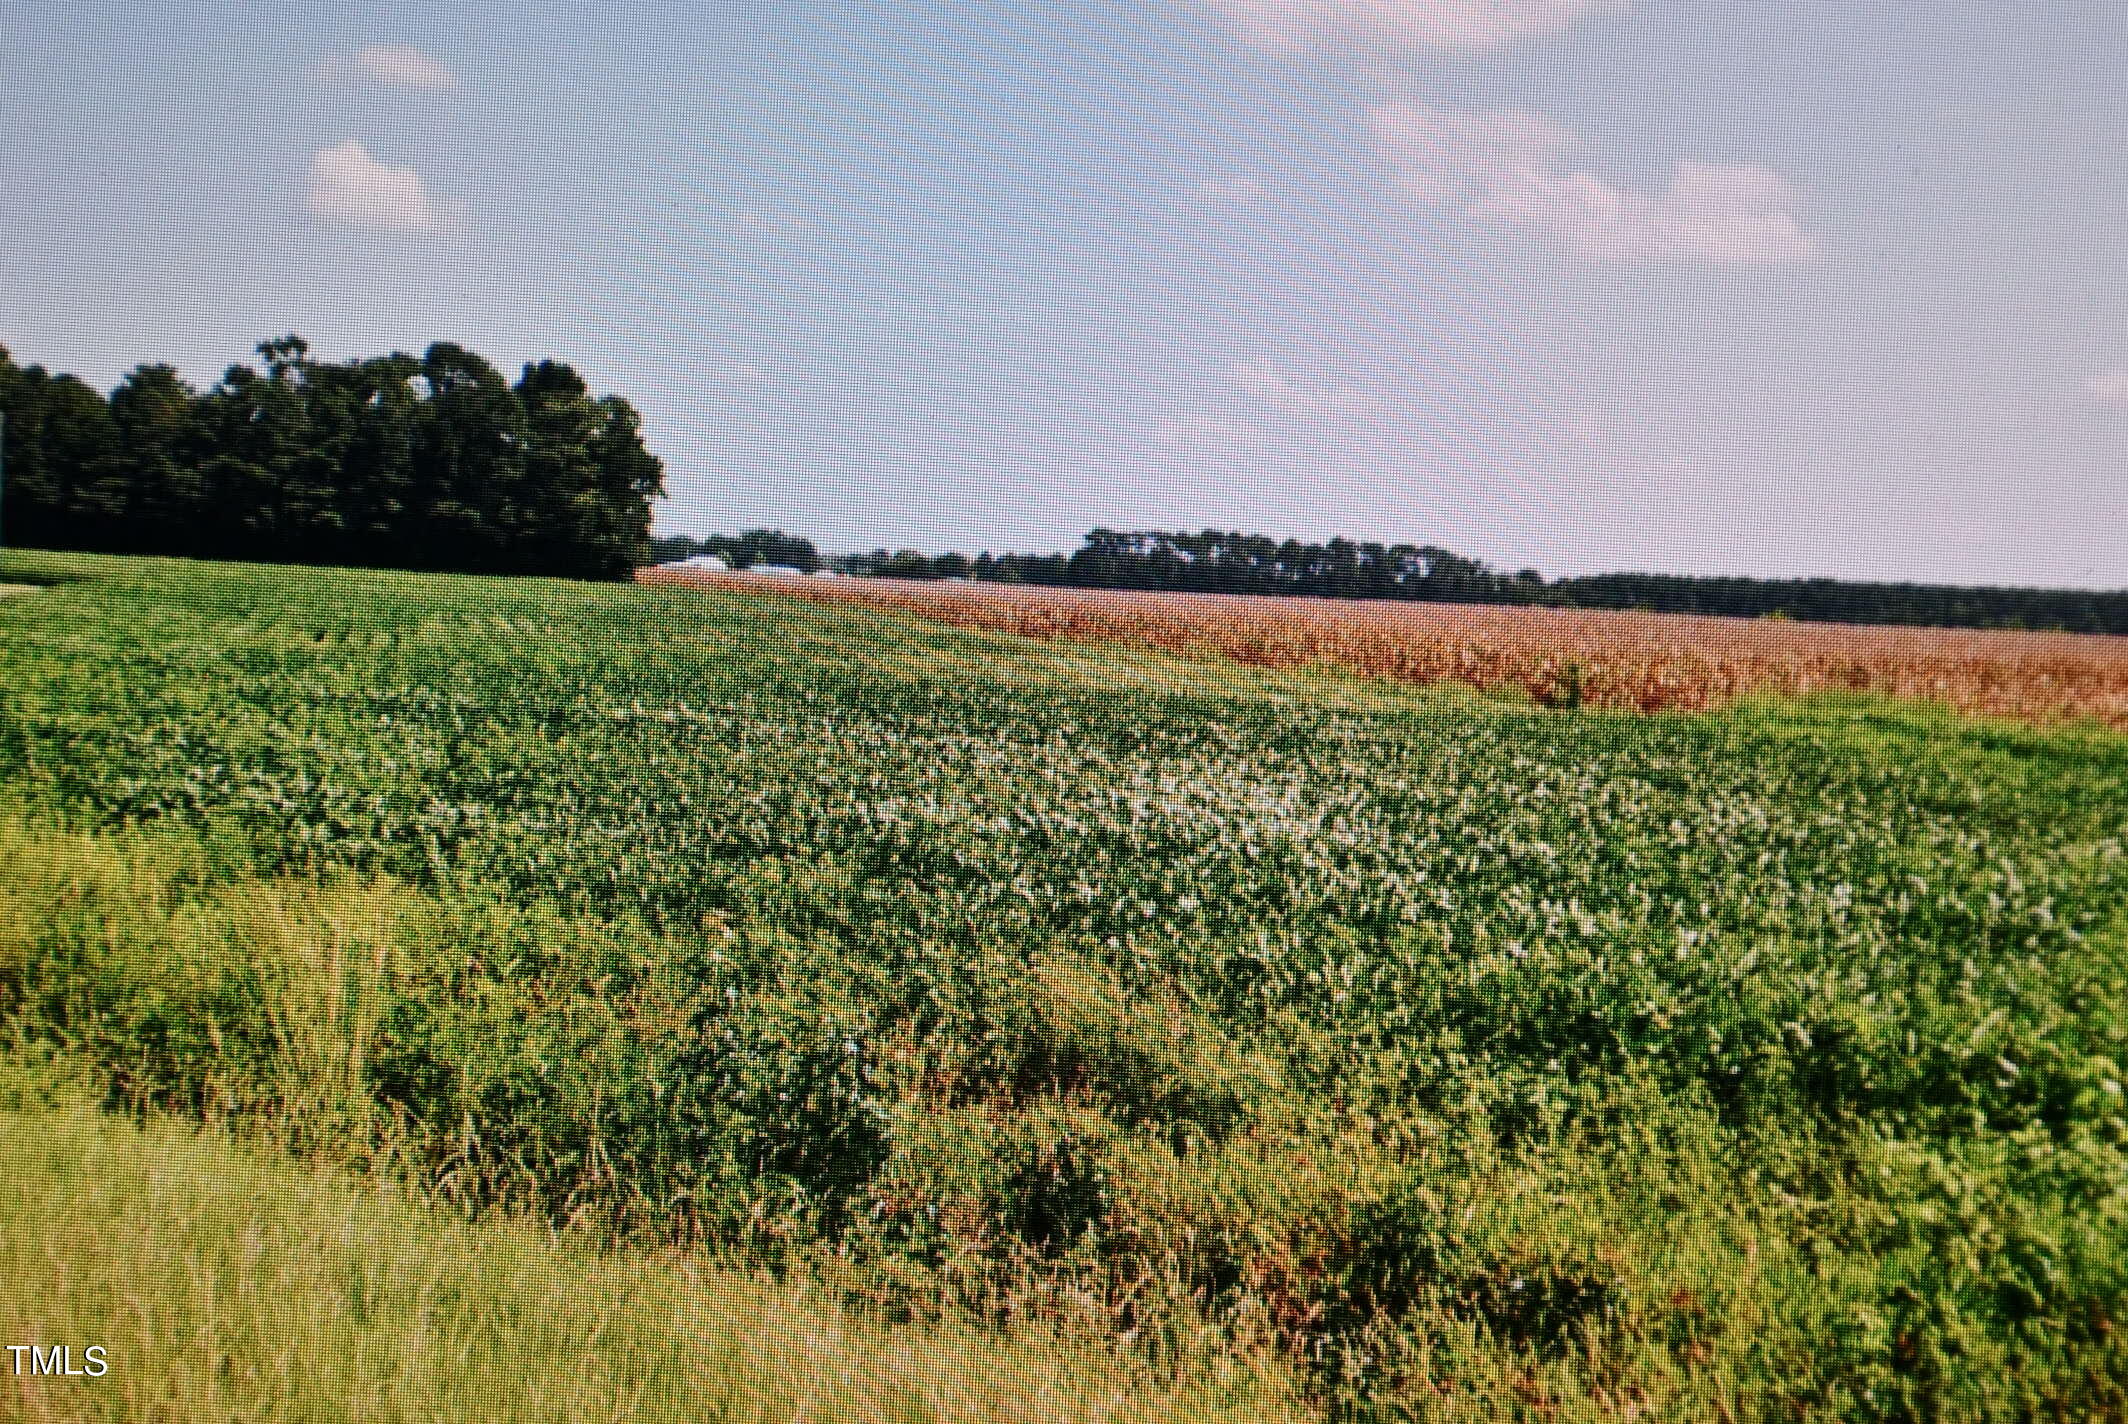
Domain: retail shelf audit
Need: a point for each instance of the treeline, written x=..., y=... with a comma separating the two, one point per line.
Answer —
x=1824, y=600
x=1215, y=561
x=747, y=550
x=1218, y=562
x=432, y=462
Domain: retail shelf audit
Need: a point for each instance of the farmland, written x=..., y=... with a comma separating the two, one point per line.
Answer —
x=1641, y=661
x=1262, y=1039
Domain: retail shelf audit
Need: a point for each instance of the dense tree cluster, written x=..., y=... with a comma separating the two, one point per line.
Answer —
x=429, y=462
x=1214, y=561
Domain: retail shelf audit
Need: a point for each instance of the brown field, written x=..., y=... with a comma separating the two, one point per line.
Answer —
x=1644, y=661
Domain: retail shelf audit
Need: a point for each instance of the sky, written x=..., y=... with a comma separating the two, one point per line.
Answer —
x=1771, y=287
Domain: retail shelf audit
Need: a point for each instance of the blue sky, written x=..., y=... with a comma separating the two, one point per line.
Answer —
x=1699, y=285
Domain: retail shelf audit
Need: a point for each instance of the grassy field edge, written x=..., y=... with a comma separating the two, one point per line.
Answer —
x=223, y=1284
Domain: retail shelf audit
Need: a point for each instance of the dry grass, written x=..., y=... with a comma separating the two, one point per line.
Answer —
x=227, y=1286
x=1642, y=661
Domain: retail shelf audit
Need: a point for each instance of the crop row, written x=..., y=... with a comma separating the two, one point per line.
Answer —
x=1640, y=661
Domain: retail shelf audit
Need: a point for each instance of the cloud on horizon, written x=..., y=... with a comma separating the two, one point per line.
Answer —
x=351, y=188
x=1409, y=24
x=395, y=66
x=1508, y=168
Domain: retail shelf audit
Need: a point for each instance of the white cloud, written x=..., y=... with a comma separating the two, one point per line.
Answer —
x=2110, y=387
x=1263, y=379
x=399, y=66
x=1415, y=24
x=348, y=186
x=1509, y=167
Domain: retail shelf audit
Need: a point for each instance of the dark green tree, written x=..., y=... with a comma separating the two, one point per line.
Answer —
x=62, y=450
x=433, y=462
x=156, y=417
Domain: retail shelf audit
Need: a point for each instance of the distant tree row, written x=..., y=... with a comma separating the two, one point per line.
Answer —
x=753, y=548
x=1217, y=561
x=1214, y=561
x=430, y=462
x=745, y=550
x=1825, y=600
x=909, y=564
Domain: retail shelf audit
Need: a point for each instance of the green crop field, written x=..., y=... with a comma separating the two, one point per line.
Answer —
x=1213, y=1039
